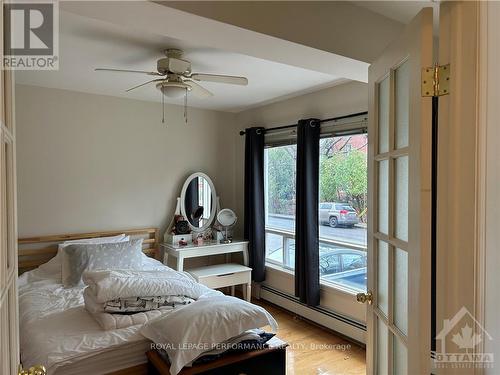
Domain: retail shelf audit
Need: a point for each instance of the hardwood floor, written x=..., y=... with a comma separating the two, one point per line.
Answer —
x=314, y=350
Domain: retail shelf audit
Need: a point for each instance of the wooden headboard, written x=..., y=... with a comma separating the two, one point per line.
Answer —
x=35, y=251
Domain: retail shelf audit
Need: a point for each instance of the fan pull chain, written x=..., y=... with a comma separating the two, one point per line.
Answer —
x=162, y=107
x=185, y=106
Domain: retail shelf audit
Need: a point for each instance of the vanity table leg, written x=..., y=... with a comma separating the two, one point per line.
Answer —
x=165, y=258
x=232, y=290
x=180, y=263
x=245, y=257
x=248, y=292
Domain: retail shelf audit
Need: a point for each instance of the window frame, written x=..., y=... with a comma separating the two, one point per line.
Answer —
x=352, y=127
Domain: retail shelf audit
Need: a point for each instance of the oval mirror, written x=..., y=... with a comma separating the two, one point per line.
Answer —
x=198, y=201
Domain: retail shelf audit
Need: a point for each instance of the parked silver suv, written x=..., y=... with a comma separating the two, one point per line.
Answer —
x=335, y=214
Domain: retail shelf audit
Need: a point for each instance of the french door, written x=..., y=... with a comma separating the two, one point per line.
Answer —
x=399, y=223
x=9, y=342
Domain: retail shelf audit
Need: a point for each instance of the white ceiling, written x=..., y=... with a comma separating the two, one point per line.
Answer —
x=86, y=43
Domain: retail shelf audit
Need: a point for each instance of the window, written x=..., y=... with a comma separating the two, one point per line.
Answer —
x=342, y=209
x=279, y=183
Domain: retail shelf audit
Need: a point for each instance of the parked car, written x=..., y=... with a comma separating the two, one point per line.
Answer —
x=335, y=214
x=340, y=260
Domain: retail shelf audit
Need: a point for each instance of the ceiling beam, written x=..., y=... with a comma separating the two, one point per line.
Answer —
x=339, y=27
x=165, y=21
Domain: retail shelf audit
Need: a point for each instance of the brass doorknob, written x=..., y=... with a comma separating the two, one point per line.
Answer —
x=35, y=370
x=365, y=297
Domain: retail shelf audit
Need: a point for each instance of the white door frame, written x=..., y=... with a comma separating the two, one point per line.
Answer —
x=459, y=200
x=9, y=315
x=487, y=303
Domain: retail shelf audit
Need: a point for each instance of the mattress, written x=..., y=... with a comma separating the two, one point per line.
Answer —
x=118, y=358
x=57, y=332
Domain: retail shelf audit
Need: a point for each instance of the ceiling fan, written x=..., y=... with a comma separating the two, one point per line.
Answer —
x=175, y=78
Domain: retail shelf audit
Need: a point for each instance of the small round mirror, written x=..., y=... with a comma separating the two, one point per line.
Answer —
x=198, y=201
x=226, y=217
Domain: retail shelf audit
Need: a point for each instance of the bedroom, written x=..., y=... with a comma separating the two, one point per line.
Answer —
x=93, y=160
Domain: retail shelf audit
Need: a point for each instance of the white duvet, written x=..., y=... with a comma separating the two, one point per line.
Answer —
x=55, y=328
x=109, y=285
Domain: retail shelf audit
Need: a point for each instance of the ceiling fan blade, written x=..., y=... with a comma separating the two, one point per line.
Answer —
x=127, y=71
x=144, y=84
x=198, y=90
x=233, y=80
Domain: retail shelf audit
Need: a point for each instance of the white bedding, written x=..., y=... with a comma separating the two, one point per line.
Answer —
x=202, y=325
x=108, y=285
x=55, y=328
x=57, y=331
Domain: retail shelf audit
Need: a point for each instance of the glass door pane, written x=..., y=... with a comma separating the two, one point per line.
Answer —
x=401, y=198
x=402, y=103
x=401, y=290
x=383, y=196
x=383, y=277
x=382, y=348
x=383, y=115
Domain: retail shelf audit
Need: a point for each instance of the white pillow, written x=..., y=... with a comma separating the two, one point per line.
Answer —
x=77, y=258
x=206, y=322
x=113, y=239
x=54, y=265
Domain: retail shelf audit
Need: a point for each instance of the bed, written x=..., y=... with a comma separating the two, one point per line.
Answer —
x=56, y=330
x=60, y=330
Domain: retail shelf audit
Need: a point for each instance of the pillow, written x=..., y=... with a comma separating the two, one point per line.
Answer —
x=77, y=258
x=53, y=266
x=113, y=239
x=206, y=322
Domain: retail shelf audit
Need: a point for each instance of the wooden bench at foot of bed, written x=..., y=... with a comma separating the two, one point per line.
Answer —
x=136, y=370
x=271, y=360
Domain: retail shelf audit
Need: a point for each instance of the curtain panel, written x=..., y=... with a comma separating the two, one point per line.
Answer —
x=307, y=285
x=254, y=229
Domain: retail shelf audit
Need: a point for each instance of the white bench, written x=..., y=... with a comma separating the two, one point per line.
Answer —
x=224, y=275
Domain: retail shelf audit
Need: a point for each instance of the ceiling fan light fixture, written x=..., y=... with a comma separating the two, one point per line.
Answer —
x=173, y=89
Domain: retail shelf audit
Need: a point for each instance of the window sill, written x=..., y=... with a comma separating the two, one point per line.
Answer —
x=325, y=286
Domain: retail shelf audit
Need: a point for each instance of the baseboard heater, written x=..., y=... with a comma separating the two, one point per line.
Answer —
x=345, y=326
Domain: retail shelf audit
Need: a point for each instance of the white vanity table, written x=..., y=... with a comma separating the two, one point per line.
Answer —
x=208, y=248
x=217, y=275
x=198, y=206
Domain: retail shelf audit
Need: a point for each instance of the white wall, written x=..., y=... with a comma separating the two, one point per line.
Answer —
x=88, y=162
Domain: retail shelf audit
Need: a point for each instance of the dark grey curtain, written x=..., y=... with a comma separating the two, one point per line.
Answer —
x=254, y=201
x=306, y=214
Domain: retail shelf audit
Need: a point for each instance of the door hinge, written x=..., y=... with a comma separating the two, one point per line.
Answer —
x=436, y=80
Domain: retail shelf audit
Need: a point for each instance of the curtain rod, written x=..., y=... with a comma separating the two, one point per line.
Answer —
x=320, y=121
